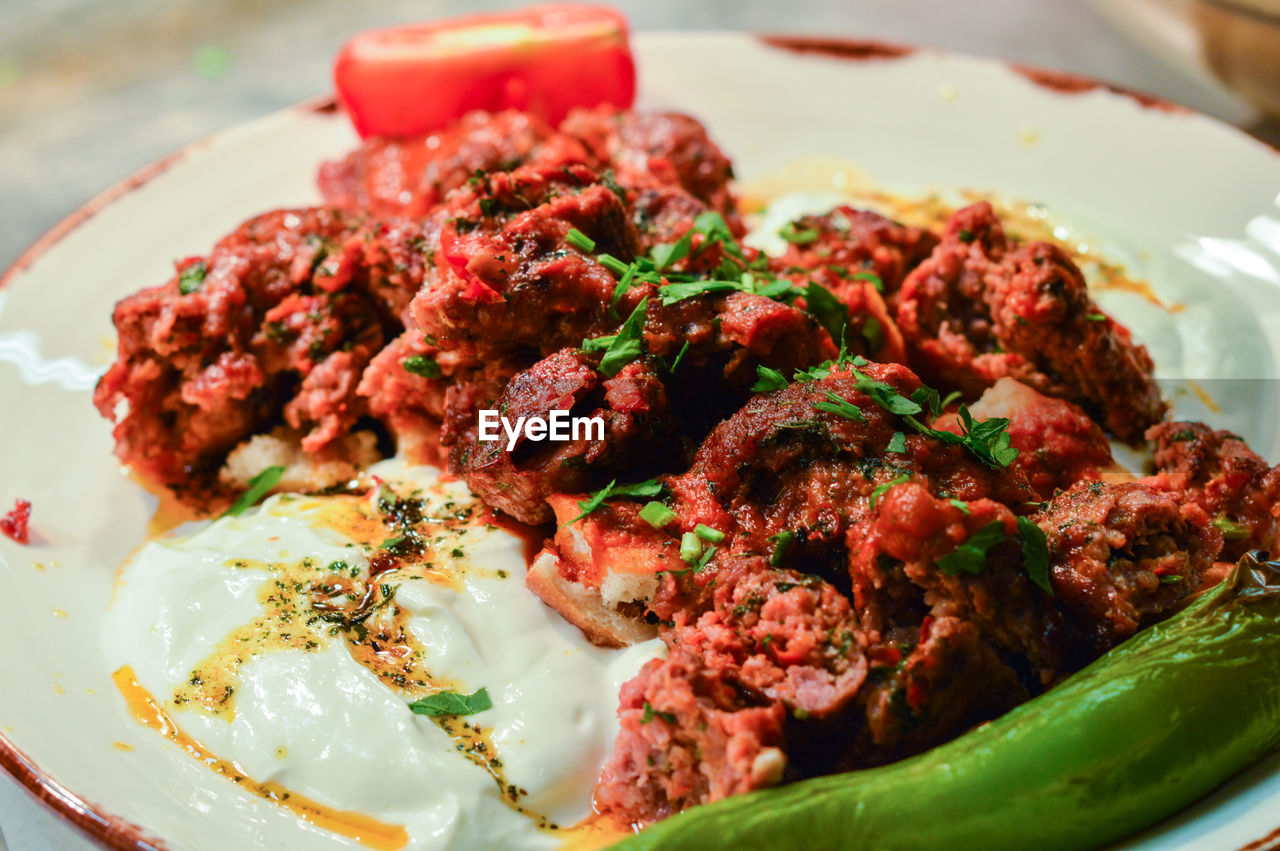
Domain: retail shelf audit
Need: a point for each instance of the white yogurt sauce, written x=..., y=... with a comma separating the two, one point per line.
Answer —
x=310, y=717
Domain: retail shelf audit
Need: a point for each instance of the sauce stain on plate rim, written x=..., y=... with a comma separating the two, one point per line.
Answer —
x=116, y=833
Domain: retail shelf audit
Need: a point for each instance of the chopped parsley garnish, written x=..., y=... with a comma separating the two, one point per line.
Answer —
x=1231, y=530
x=841, y=408
x=706, y=557
x=781, y=546
x=971, y=556
x=1096, y=317
x=827, y=309
x=988, y=440
x=622, y=348
x=960, y=504
x=797, y=235
x=886, y=396
x=716, y=230
x=965, y=236
x=650, y=713
x=452, y=703
x=881, y=489
x=580, y=240
x=190, y=278
x=259, y=486
x=871, y=278
x=768, y=380
x=648, y=488
x=706, y=533
x=1170, y=578
x=680, y=357
x=658, y=515
x=420, y=365
x=897, y=443
x=666, y=255
x=672, y=293
x=1035, y=553
x=873, y=333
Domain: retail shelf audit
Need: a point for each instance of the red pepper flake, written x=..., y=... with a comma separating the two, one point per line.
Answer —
x=886, y=655
x=917, y=694
x=925, y=627
x=14, y=524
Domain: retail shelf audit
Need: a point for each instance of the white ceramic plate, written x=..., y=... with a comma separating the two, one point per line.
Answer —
x=1185, y=202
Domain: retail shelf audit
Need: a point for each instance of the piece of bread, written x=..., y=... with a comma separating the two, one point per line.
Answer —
x=604, y=624
x=303, y=472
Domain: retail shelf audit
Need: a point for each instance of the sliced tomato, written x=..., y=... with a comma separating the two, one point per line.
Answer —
x=546, y=60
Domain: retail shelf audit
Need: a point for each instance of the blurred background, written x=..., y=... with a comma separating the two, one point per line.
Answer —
x=91, y=90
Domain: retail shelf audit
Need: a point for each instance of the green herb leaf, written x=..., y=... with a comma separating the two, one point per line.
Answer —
x=960, y=504
x=971, y=556
x=452, y=703
x=1231, y=530
x=580, y=240
x=622, y=348
x=872, y=278
x=881, y=489
x=988, y=440
x=887, y=397
x=666, y=255
x=259, y=486
x=1096, y=317
x=657, y=515
x=797, y=235
x=679, y=357
x=648, y=488
x=1035, y=553
x=873, y=333
x=713, y=226
x=841, y=408
x=424, y=366
x=781, y=546
x=778, y=290
x=928, y=400
x=1170, y=578
x=827, y=309
x=672, y=293
x=768, y=380
x=190, y=278
x=621, y=288
x=705, y=559
x=650, y=713
x=897, y=443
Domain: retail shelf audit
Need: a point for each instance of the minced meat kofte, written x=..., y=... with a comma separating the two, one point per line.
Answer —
x=872, y=501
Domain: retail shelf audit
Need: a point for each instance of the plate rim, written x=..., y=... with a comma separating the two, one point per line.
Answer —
x=117, y=833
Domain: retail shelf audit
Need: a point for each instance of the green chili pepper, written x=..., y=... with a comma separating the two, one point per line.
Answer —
x=1137, y=736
